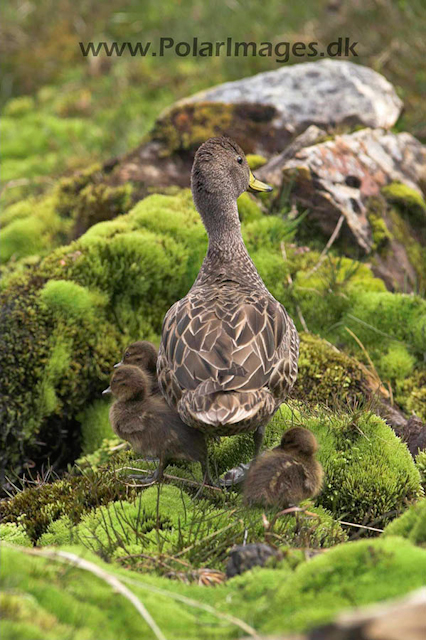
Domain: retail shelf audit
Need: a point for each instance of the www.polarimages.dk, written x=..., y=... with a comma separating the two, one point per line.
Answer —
x=281, y=51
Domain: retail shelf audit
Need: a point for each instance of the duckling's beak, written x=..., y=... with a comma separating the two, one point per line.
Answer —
x=257, y=185
x=105, y=392
x=118, y=364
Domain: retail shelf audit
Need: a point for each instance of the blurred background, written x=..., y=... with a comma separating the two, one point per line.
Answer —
x=62, y=110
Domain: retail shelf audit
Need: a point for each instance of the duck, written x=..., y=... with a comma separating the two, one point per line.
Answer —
x=287, y=474
x=151, y=427
x=142, y=354
x=229, y=350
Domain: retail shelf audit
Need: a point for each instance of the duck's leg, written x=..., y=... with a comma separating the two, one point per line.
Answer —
x=157, y=476
x=237, y=475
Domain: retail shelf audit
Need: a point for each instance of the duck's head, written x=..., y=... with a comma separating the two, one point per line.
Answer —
x=141, y=354
x=220, y=174
x=299, y=440
x=129, y=383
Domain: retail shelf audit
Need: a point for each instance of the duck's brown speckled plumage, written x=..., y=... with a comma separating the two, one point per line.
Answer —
x=229, y=350
x=286, y=475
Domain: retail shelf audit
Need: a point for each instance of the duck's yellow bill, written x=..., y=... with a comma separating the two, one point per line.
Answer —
x=257, y=185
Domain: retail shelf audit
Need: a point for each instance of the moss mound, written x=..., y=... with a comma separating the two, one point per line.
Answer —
x=327, y=375
x=167, y=521
x=34, y=509
x=53, y=601
x=411, y=525
x=369, y=472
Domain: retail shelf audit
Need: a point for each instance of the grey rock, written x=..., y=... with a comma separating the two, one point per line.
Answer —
x=244, y=557
x=326, y=93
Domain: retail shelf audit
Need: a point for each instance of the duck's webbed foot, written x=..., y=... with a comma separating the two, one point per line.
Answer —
x=234, y=476
x=144, y=479
x=157, y=476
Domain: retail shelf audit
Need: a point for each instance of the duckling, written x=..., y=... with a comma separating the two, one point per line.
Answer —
x=286, y=475
x=149, y=425
x=229, y=350
x=142, y=354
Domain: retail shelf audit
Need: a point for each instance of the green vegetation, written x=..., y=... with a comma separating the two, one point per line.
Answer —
x=40, y=598
x=411, y=525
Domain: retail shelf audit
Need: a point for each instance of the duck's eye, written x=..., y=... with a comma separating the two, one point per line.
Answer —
x=239, y=160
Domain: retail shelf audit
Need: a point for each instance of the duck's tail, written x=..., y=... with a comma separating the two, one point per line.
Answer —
x=226, y=412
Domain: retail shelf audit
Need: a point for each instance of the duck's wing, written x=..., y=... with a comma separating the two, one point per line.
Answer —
x=224, y=340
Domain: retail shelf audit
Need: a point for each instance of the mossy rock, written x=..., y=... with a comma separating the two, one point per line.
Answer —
x=185, y=126
x=329, y=376
x=411, y=525
x=407, y=199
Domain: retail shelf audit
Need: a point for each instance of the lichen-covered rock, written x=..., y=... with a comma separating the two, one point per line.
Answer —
x=345, y=176
x=336, y=176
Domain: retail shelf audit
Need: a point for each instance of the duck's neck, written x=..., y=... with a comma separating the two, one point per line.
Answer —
x=227, y=256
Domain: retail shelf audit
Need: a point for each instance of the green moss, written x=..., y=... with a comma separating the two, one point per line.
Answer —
x=67, y=299
x=353, y=574
x=407, y=199
x=14, y=533
x=411, y=393
x=327, y=375
x=411, y=525
x=380, y=232
x=87, y=199
x=95, y=426
x=30, y=227
x=421, y=466
x=255, y=161
x=270, y=600
x=35, y=508
x=248, y=208
x=325, y=293
x=164, y=520
x=37, y=225
x=397, y=362
x=380, y=318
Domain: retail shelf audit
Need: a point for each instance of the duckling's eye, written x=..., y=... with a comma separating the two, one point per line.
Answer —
x=239, y=160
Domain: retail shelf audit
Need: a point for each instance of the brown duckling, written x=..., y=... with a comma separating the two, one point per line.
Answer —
x=142, y=354
x=149, y=425
x=286, y=475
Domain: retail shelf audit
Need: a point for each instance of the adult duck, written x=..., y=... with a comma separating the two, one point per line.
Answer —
x=229, y=350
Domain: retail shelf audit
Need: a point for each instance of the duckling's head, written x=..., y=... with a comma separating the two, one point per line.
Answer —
x=141, y=354
x=220, y=174
x=299, y=440
x=129, y=383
